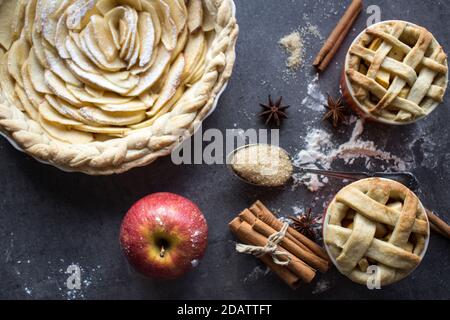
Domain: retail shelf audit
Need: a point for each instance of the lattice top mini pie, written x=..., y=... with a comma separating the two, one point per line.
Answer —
x=398, y=72
x=379, y=223
x=102, y=86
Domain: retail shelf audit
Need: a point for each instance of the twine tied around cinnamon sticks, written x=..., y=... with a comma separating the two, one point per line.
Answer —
x=270, y=248
x=258, y=227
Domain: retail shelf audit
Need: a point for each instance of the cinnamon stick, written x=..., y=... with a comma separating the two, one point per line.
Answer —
x=249, y=236
x=281, y=271
x=438, y=224
x=337, y=36
x=264, y=214
x=307, y=256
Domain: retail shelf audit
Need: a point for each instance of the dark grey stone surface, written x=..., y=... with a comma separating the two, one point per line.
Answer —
x=50, y=219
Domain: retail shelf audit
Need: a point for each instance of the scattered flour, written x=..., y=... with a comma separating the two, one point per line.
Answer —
x=321, y=286
x=320, y=153
x=315, y=100
x=256, y=273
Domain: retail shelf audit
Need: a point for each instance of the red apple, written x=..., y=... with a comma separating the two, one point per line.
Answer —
x=164, y=235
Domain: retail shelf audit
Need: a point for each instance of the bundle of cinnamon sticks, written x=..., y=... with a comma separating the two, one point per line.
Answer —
x=253, y=226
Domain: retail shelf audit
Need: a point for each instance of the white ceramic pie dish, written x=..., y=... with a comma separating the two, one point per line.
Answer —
x=349, y=94
x=326, y=218
x=65, y=169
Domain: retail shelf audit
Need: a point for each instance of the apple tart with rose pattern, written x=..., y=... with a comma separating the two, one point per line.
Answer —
x=102, y=86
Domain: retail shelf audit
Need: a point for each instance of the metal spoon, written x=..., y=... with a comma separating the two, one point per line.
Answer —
x=406, y=178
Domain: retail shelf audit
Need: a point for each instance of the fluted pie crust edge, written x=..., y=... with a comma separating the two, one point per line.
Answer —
x=141, y=147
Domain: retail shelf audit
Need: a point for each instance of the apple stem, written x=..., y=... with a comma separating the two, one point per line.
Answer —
x=162, y=252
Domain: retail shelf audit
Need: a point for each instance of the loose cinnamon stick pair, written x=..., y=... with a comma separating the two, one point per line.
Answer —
x=338, y=35
x=256, y=224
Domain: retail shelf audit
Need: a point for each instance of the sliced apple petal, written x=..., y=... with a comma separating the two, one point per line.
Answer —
x=128, y=33
x=39, y=48
x=101, y=117
x=170, y=86
x=57, y=65
x=63, y=5
x=92, y=50
x=195, y=15
x=104, y=6
x=169, y=29
x=114, y=131
x=148, y=99
x=152, y=75
x=146, y=32
x=96, y=80
x=168, y=105
x=137, y=70
x=135, y=55
x=26, y=103
x=113, y=18
x=16, y=57
x=36, y=73
x=60, y=38
x=65, y=134
x=30, y=13
x=197, y=73
x=131, y=106
x=6, y=81
x=129, y=83
x=49, y=114
x=19, y=17
x=48, y=22
x=34, y=97
x=123, y=32
x=108, y=98
x=104, y=38
x=209, y=16
x=78, y=57
x=181, y=43
x=193, y=53
x=148, y=7
x=133, y=3
x=117, y=76
x=78, y=12
x=7, y=8
x=58, y=88
x=178, y=12
x=65, y=109
x=134, y=40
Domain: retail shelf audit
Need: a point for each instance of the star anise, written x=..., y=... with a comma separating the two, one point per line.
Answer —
x=305, y=224
x=274, y=111
x=336, y=111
